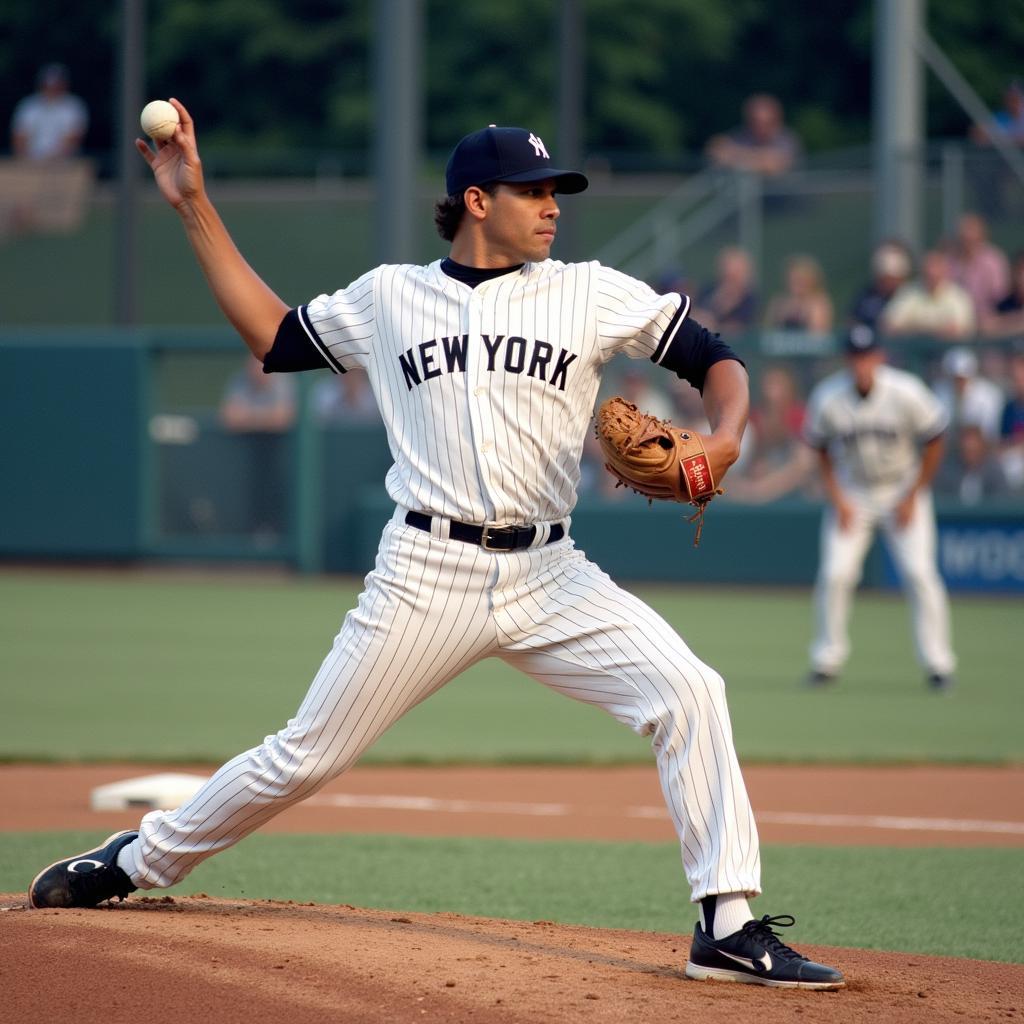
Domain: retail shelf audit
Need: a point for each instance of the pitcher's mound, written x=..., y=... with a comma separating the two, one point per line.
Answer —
x=212, y=961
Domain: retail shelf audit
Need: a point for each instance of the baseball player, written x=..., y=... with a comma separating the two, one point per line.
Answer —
x=878, y=432
x=485, y=366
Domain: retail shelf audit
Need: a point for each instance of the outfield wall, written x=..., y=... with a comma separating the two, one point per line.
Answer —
x=113, y=451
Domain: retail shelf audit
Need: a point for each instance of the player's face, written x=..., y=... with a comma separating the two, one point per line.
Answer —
x=863, y=366
x=520, y=222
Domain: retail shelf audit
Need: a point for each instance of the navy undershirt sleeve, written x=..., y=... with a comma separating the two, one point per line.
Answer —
x=293, y=349
x=692, y=351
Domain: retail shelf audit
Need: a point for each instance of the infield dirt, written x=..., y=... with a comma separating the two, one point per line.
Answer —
x=170, y=959
x=173, y=959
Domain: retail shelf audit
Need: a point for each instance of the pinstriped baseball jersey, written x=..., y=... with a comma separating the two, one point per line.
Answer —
x=487, y=391
x=874, y=439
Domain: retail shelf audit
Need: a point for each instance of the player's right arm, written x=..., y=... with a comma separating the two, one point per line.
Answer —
x=834, y=493
x=252, y=307
x=819, y=432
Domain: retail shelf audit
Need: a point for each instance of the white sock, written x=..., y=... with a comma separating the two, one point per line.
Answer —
x=729, y=913
x=125, y=861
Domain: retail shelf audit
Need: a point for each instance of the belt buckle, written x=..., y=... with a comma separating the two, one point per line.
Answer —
x=485, y=538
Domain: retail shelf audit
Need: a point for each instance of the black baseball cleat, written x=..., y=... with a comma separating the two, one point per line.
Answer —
x=818, y=680
x=84, y=880
x=940, y=683
x=754, y=955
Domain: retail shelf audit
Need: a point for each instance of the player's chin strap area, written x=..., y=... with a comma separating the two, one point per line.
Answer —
x=491, y=538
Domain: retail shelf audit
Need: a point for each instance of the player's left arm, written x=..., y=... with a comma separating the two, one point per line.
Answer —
x=633, y=319
x=700, y=357
x=727, y=404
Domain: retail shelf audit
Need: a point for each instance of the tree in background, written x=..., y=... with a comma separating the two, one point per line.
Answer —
x=295, y=75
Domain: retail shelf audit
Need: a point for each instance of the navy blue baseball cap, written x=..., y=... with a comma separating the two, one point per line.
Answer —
x=859, y=339
x=505, y=154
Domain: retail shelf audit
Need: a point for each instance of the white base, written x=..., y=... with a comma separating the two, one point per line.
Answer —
x=149, y=792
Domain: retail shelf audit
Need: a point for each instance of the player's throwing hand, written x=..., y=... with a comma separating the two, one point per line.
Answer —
x=175, y=162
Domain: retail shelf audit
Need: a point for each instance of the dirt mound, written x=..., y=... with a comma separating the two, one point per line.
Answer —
x=174, y=959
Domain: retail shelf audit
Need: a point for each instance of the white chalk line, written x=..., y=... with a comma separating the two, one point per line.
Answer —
x=559, y=810
x=428, y=803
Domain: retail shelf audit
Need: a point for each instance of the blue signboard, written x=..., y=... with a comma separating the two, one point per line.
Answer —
x=979, y=556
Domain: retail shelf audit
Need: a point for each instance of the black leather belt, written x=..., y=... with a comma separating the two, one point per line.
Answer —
x=493, y=538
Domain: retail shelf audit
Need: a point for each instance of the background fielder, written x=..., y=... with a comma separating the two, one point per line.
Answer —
x=485, y=366
x=878, y=431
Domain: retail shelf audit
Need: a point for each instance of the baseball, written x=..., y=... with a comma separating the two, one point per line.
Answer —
x=159, y=120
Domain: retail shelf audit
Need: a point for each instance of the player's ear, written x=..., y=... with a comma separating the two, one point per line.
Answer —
x=477, y=202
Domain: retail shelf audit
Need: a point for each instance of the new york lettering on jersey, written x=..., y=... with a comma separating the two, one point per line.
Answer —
x=486, y=391
x=514, y=354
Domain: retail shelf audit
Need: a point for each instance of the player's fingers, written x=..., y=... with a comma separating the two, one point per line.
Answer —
x=147, y=154
x=183, y=115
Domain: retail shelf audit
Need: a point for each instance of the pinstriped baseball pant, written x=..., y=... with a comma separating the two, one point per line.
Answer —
x=432, y=608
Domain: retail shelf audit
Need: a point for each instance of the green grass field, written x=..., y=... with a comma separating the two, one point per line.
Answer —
x=177, y=667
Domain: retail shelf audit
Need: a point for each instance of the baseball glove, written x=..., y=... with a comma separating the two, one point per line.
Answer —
x=655, y=458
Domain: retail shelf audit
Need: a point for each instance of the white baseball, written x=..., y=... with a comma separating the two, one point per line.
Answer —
x=159, y=120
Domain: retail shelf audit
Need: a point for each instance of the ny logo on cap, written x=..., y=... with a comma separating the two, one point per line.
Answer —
x=538, y=146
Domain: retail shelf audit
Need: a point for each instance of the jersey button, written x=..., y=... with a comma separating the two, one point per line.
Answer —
x=486, y=447
x=479, y=391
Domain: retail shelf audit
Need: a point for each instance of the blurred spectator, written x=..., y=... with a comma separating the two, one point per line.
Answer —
x=1008, y=315
x=674, y=280
x=50, y=123
x=937, y=305
x=729, y=303
x=46, y=186
x=990, y=175
x=1011, y=424
x=260, y=408
x=1010, y=120
x=258, y=402
x=345, y=398
x=980, y=266
x=891, y=266
x=761, y=145
x=969, y=398
x=804, y=305
x=687, y=405
x=779, y=462
x=636, y=386
x=971, y=472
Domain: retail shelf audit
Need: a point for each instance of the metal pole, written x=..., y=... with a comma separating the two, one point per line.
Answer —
x=750, y=209
x=898, y=120
x=952, y=187
x=960, y=89
x=569, y=150
x=397, y=94
x=131, y=63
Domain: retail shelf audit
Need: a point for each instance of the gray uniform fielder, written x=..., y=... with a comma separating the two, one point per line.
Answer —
x=878, y=431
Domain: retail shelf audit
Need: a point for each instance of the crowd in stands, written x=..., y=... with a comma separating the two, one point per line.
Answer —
x=965, y=291
x=967, y=297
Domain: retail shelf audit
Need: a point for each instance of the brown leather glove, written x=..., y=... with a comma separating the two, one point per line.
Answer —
x=655, y=458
